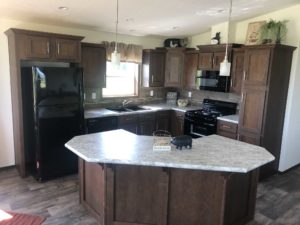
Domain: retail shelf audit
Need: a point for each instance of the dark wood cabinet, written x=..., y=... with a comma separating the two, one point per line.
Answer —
x=129, y=123
x=93, y=61
x=146, y=123
x=211, y=56
x=191, y=60
x=177, y=123
x=174, y=67
x=205, y=60
x=163, y=120
x=227, y=129
x=67, y=49
x=153, y=68
x=264, y=92
x=48, y=46
x=237, y=70
x=38, y=46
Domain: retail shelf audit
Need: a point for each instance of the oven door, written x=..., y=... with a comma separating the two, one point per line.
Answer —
x=199, y=129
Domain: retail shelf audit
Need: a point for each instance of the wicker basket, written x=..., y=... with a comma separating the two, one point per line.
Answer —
x=161, y=140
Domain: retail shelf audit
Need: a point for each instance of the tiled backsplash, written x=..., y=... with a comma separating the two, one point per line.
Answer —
x=159, y=95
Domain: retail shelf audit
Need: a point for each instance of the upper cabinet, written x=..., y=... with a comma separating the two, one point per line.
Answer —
x=211, y=56
x=174, y=67
x=153, y=68
x=237, y=70
x=93, y=61
x=191, y=59
x=33, y=45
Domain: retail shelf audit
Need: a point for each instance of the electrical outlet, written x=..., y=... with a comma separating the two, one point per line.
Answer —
x=189, y=94
x=151, y=93
x=94, y=95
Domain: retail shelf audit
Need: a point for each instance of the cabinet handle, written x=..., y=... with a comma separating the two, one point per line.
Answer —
x=244, y=76
x=231, y=83
x=48, y=48
x=152, y=78
x=58, y=49
x=226, y=127
x=242, y=98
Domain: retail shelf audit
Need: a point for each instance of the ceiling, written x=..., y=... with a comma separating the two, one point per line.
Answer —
x=138, y=17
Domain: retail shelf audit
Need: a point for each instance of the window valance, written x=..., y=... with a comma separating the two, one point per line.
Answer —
x=128, y=52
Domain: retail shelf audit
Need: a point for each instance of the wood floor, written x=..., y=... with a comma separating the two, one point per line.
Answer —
x=278, y=199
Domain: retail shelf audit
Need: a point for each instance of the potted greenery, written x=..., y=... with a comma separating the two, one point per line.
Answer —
x=273, y=31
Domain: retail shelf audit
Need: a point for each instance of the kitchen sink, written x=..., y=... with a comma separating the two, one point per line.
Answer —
x=121, y=109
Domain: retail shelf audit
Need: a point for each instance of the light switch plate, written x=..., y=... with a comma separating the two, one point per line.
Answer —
x=189, y=94
x=94, y=95
x=151, y=93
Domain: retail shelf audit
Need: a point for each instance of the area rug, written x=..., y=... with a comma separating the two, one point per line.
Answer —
x=12, y=218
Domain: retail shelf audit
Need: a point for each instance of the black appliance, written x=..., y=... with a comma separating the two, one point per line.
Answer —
x=203, y=122
x=101, y=124
x=52, y=115
x=212, y=81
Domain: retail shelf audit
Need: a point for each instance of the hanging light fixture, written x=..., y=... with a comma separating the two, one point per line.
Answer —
x=225, y=65
x=115, y=56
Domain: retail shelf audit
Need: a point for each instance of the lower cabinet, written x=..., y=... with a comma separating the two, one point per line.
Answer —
x=227, y=129
x=177, y=123
x=143, y=195
x=146, y=123
x=129, y=123
x=163, y=120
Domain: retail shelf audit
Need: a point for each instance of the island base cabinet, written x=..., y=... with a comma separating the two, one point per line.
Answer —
x=146, y=195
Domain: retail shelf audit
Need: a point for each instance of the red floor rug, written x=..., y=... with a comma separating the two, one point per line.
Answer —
x=11, y=218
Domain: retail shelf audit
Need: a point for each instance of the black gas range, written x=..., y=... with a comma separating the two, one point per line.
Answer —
x=203, y=122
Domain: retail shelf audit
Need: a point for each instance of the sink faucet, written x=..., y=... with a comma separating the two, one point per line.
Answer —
x=126, y=102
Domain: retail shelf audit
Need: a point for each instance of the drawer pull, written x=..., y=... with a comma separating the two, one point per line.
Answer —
x=226, y=127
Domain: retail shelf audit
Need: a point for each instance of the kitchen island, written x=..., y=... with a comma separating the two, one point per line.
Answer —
x=124, y=182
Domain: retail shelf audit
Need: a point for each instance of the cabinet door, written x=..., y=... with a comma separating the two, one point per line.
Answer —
x=190, y=69
x=129, y=123
x=131, y=127
x=157, y=69
x=67, y=49
x=174, y=68
x=177, y=123
x=256, y=66
x=237, y=71
x=249, y=138
x=147, y=123
x=217, y=59
x=252, y=110
x=227, y=129
x=163, y=121
x=205, y=61
x=94, y=65
x=38, y=47
x=92, y=188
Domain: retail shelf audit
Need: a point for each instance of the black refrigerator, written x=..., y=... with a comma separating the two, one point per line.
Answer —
x=52, y=115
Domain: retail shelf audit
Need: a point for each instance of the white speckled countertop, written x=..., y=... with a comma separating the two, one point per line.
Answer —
x=230, y=118
x=213, y=152
x=102, y=112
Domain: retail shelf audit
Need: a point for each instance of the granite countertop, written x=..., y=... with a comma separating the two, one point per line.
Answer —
x=214, y=153
x=102, y=112
x=230, y=118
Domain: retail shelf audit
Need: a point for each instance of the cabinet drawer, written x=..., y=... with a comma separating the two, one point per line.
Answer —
x=227, y=134
x=179, y=115
x=227, y=127
x=127, y=119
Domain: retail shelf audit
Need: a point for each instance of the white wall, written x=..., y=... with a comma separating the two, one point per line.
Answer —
x=290, y=150
x=6, y=132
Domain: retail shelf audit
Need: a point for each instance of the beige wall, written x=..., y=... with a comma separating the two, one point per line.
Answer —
x=6, y=133
x=290, y=153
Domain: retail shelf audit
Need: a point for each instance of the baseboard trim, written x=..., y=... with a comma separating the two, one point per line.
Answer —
x=7, y=167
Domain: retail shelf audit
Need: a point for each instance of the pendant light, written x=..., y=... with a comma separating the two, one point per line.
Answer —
x=225, y=65
x=115, y=56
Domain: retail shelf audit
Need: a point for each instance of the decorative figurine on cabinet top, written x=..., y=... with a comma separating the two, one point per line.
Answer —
x=216, y=39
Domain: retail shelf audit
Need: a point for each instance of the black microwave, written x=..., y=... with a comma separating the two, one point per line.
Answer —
x=212, y=81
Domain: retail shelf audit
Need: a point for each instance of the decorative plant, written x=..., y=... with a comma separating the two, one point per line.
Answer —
x=273, y=31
